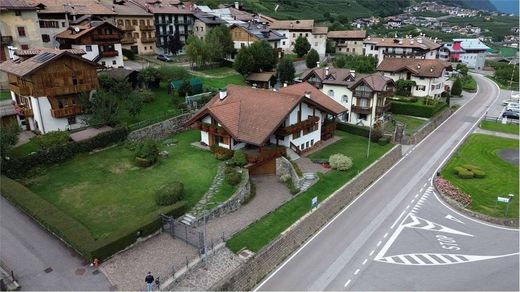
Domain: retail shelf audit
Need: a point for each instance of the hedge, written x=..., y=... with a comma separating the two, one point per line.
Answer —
x=15, y=168
x=353, y=129
x=416, y=109
x=73, y=232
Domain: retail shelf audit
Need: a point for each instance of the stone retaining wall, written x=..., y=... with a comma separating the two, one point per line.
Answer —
x=419, y=135
x=160, y=130
x=284, y=166
x=256, y=268
x=241, y=194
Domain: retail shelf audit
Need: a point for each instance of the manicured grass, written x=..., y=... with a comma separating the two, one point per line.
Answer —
x=501, y=176
x=105, y=190
x=5, y=95
x=262, y=232
x=216, y=78
x=24, y=149
x=411, y=123
x=499, y=127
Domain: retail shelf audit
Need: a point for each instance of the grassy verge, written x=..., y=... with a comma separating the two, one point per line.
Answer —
x=216, y=78
x=501, y=176
x=5, y=95
x=411, y=123
x=262, y=232
x=223, y=194
x=469, y=83
x=499, y=127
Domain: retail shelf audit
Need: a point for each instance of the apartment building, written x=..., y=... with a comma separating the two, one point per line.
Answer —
x=292, y=29
x=348, y=42
x=419, y=47
x=471, y=52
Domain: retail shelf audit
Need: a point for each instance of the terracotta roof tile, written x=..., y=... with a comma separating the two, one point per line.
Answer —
x=316, y=96
x=307, y=24
x=420, y=42
x=79, y=7
x=418, y=67
x=347, y=34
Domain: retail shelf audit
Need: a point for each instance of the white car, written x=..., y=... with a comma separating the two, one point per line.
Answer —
x=515, y=95
x=513, y=108
x=508, y=103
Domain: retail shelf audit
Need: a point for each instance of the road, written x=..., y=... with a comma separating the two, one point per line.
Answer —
x=399, y=236
x=39, y=260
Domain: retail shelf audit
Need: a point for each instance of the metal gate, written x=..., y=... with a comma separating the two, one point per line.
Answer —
x=183, y=232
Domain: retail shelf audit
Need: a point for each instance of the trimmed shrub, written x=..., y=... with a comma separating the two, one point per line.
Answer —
x=377, y=133
x=477, y=173
x=146, y=151
x=470, y=167
x=221, y=153
x=239, y=158
x=51, y=139
x=353, y=129
x=383, y=140
x=464, y=173
x=233, y=177
x=340, y=162
x=416, y=109
x=169, y=194
x=285, y=177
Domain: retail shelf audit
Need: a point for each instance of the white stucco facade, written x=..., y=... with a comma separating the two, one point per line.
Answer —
x=397, y=52
x=43, y=120
x=317, y=41
x=423, y=86
x=342, y=95
x=473, y=60
x=93, y=51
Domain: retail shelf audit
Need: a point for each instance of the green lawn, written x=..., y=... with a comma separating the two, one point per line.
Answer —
x=411, y=123
x=5, y=95
x=262, y=232
x=501, y=176
x=105, y=191
x=216, y=78
x=469, y=83
x=24, y=149
x=499, y=127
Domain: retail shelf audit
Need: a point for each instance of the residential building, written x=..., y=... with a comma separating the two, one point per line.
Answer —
x=99, y=39
x=296, y=117
x=246, y=34
x=170, y=17
x=419, y=47
x=363, y=95
x=204, y=22
x=471, y=52
x=393, y=22
x=292, y=29
x=348, y=41
x=46, y=84
x=137, y=25
x=430, y=76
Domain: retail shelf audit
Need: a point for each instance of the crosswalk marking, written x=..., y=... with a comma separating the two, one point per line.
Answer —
x=435, y=259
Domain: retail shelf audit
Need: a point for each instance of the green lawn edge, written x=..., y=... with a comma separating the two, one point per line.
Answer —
x=499, y=127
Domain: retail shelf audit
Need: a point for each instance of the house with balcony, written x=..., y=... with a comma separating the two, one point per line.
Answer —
x=471, y=52
x=363, y=95
x=292, y=29
x=248, y=33
x=137, y=25
x=100, y=40
x=430, y=76
x=419, y=47
x=258, y=120
x=348, y=42
x=204, y=22
x=45, y=86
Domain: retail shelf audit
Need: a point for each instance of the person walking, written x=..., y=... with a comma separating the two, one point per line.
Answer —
x=149, y=281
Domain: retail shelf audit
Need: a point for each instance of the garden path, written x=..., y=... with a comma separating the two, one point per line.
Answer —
x=497, y=134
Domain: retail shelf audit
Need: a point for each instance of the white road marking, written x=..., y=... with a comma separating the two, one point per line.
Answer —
x=416, y=196
x=407, y=207
x=386, y=234
x=395, y=222
x=365, y=261
x=356, y=272
x=419, y=223
x=412, y=201
x=443, y=259
x=379, y=243
x=348, y=282
x=453, y=218
x=372, y=252
x=425, y=184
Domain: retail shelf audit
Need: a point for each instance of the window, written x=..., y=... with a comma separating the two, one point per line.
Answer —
x=74, y=81
x=363, y=102
x=348, y=49
x=307, y=144
x=46, y=38
x=134, y=22
x=302, y=146
x=136, y=35
x=17, y=12
x=420, y=87
x=21, y=31
x=49, y=24
x=355, y=43
x=362, y=117
x=103, y=63
x=283, y=43
x=293, y=35
x=63, y=24
x=25, y=47
x=312, y=142
x=331, y=93
x=306, y=35
x=88, y=48
x=353, y=50
x=344, y=98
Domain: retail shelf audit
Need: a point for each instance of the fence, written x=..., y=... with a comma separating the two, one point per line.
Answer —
x=183, y=232
x=499, y=120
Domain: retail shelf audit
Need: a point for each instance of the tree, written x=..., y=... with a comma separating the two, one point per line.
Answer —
x=134, y=104
x=197, y=51
x=312, y=58
x=103, y=108
x=244, y=61
x=330, y=48
x=340, y=62
x=456, y=88
x=301, y=46
x=221, y=43
x=174, y=43
x=463, y=69
x=264, y=56
x=150, y=77
x=185, y=87
x=404, y=87
x=286, y=70
x=8, y=137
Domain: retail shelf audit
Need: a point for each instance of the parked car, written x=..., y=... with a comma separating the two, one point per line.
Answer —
x=509, y=102
x=515, y=95
x=164, y=58
x=510, y=115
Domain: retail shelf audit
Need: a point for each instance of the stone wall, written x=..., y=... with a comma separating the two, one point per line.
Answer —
x=256, y=268
x=160, y=130
x=427, y=129
x=241, y=194
x=284, y=166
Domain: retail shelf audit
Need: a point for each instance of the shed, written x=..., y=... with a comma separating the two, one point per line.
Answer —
x=122, y=73
x=262, y=79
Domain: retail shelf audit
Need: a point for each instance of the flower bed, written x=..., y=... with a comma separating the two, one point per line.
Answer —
x=446, y=188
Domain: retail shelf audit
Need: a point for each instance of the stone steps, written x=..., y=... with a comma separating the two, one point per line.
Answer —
x=188, y=219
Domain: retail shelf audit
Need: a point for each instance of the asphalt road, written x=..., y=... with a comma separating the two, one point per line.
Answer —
x=399, y=236
x=39, y=260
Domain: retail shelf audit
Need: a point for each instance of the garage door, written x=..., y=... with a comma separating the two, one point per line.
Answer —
x=268, y=167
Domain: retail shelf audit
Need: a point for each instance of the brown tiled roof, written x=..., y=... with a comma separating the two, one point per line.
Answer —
x=418, y=67
x=375, y=81
x=22, y=68
x=240, y=14
x=252, y=115
x=337, y=76
x=17, y=5
x=263, y=76
x=421, y=43
x=126, y=8
x=266, y=18
x=347, y=34
x=78, y=7
x=165, y=7
x=84, y=29
x=320, y=30
x=36, y=51
x=307, y=24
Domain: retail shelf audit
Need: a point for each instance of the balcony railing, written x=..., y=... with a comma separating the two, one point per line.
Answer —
x=147, y=40
x=381, y=109
x=20, y=89
x=311, y=121
x=128, y=40
x=22, y=110
x=66, y=111
x=146, y=27
x=363, y=94
x=361, y=109
x=385, y=93
x=106, y=37
x=126, y=27
x=108, y=54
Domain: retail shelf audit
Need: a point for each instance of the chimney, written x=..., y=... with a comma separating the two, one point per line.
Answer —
x=222, y=93
x=418, y=66
x=292, y=25
x=237, y=6
x=318, y=64
x=307, y=94
x=327, y=71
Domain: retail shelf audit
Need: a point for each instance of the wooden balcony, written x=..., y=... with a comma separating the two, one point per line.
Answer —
x=147, y=40
x=126, y=27
x=146, y=27
x=108, y=54
x=385, y=93
x=22, y=110
x=20, y=89
x=363, y=94
x=127, y=40
x=381, y=109
x=106, y=37
x=7, y=39
x=361, y=109
x=66, y=111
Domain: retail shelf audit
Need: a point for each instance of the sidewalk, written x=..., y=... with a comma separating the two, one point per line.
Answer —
x=497, y=134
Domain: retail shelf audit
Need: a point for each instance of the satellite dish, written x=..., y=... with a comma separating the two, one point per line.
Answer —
x=76, y=29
